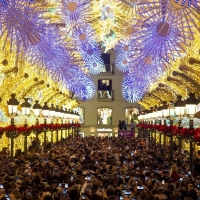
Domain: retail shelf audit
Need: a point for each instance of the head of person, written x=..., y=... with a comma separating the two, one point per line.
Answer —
x=198, y=154
x=174, y=168
x=73, y=194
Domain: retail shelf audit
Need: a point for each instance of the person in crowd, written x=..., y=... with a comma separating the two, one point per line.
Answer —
x=132, y=124
x=196, y=163
x=93, y=168
x=174, y=173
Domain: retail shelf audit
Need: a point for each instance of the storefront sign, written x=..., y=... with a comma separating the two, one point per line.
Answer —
x=123, y=133
x=104, y=129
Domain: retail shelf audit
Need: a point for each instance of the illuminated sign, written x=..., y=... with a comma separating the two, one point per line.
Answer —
x=104, y=129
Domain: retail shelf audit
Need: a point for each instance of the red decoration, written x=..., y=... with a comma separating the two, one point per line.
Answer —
x=39, y=127
x=185, y=133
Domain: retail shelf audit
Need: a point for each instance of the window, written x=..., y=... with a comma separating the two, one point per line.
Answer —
x=81, y=112
x=104, y=116
x=106, y=60
x=105, y=84
x=131, y=114
x=104, y=90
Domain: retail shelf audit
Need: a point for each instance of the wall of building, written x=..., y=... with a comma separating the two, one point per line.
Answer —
x=118, y=104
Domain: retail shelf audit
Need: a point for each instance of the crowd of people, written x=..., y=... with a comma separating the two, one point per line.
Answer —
x=94, y=168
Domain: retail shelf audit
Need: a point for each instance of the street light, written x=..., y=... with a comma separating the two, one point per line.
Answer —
x=190, y=105
x=52, y=112
x=62, y=115
x=57, y=115
x=25, y=111
x=159, y=116
x=148, y=116
x=12, y=109
x=179, y=110
x=57, y=112
x=154, y=117
x=26, y=106
x=52, y=115
x=165, y=111
x=37, y=110
x=171, y=111
x=164, y=115
x=45, y=113
x=12, y=105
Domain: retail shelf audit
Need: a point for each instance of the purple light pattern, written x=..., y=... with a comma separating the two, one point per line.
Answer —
x=161, y=39
x=75, y=13
x=19, y=25
x=79, y=83
x=124, y=51
x=178, y=11
x=133, y=88
x=88, y=47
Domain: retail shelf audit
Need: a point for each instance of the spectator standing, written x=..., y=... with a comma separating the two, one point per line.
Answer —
x=196, y=164
x=132, y=125
x=174, y=173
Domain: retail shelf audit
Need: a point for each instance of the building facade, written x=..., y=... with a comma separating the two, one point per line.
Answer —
x=102, y=113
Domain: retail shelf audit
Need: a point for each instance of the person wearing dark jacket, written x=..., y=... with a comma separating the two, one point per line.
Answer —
x=196, y=164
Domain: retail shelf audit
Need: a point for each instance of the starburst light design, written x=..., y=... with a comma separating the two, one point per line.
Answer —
x=133, y=88
x=161, y=39
x=75, y=13
x=19, y=23
x=88, y=47
x=79, y=83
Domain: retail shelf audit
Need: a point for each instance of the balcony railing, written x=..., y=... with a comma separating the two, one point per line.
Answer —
x=105, y=95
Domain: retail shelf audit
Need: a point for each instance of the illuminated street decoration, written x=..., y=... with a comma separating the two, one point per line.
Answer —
x=146, y=68
x=88, y=47
x=188, y=3
x=19, y=25
x=79, y=83
x=63, y=39
x=131, y=7
x=126, y=30
x=75, y=13
x=123, y=56
x=93, y=60
x=50, y=55
x=162, y=40
x=133, y=88
x=183, y=12
x=105, y=23
x=84, y=37
x=139, y=78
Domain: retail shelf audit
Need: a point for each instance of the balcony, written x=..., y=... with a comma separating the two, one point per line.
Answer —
x=104, y=95
x=108, y=70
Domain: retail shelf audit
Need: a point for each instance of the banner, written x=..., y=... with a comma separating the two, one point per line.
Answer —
x=126, y=133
